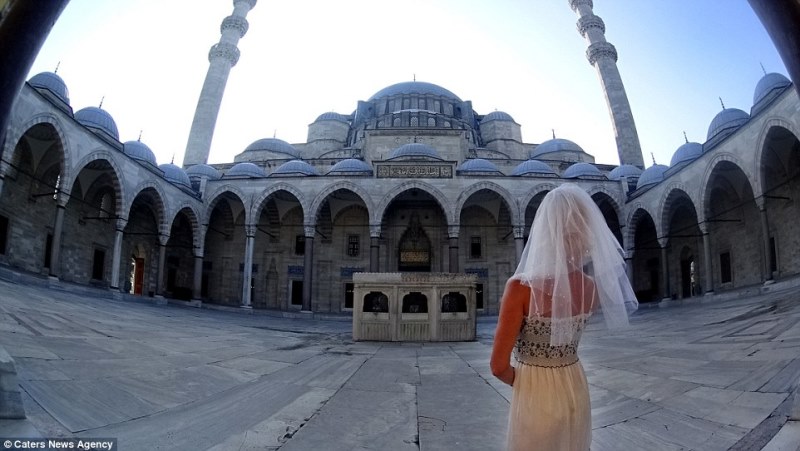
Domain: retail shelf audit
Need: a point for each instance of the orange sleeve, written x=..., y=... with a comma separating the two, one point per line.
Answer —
x=512, y=311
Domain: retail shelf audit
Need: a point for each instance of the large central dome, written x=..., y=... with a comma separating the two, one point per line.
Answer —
x=414, y=87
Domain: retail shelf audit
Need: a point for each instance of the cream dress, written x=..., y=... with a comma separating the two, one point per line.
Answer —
x=550, y=408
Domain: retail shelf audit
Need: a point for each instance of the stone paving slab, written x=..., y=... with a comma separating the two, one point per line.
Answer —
x=698, y=376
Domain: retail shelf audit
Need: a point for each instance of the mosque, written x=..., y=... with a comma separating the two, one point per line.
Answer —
x=413, y=179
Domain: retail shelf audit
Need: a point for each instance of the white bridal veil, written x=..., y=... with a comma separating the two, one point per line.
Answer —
x=573, y=258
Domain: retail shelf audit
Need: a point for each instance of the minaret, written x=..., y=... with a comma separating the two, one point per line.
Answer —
x=222, y=57
x=602, y=55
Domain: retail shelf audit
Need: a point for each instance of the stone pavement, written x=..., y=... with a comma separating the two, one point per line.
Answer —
x=712, y=375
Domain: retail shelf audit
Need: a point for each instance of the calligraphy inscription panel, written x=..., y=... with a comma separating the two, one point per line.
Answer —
x=415, y=171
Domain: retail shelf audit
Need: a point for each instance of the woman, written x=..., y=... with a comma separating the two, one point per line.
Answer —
x=571, y=266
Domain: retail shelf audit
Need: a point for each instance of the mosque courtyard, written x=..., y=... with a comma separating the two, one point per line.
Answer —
x=717, y=373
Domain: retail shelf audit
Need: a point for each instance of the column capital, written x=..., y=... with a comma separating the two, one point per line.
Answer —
x=703, y=226
x=120, y=224
x=453, y=230
x=309, y=230
x=519, y=232
x=250, y=230
x=375, y=230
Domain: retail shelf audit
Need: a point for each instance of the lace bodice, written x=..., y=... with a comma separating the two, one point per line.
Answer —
x=533, y=343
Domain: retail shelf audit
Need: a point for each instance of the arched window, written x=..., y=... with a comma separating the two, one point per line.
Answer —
x=414, y=121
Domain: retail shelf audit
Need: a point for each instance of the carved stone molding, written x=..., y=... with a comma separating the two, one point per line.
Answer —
x=585, y=23
x=234, y=23
x=600, y=50
x=225, y=51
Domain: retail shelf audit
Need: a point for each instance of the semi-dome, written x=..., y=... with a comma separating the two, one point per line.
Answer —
x=203, y=170
x=767, y=84
x=534, y=167
x=652, y=175
x=478, y=165
x=497, y=116
x=274, y=145
x=139, y=151
x=555, y=145
x=415, y=150
x=686, y=152
x=295, y=167
x=350, y=166
x=51, y=82
x=331, y=116
x=245, y=169
x=624, y=170
x=728, y=120
x=175, y=175
x=579, y=170
x=414, y=87
x=97, y=118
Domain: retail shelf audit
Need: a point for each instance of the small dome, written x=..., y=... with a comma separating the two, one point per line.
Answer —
x=175, y=175
x=625, y=170
x=767, y=84
x=415, y=150
x=534, y=167
x=555, y=145
x=245, y=170
x=478, y=165
x=497, y=116
x=579, y=170
x=652, y=175
x=331, y=116
x=686, y=152
x=203, y=170
x=295, y=167
x=350, y=166
x=275, y=145
x=728, y=119
x=97, y=118
x=414, y=87
x=139, y=151
x=51, y=82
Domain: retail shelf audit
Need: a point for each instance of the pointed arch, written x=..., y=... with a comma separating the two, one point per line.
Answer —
x=161, y=207
x=258, y=204
x=761, y=146
x=440, y=198
x=16, y=132
x=362, y=193
x=217, y=194
x=118, y=179
x=490, y=186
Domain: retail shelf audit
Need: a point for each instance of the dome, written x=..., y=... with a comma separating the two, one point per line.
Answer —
x=415, y=150
x=175, y=175
x=414, y=87
x=331, y=116
x=245, y=170
x=533, y=167
x=686, y=152
x=275, y=145
x=51, y=82
x=203, y=170
x=727, y=119
x=497, y=116
x=652, y=175
x=578, y=170
x=351, y=165
x=478, y=165
x=625, y=170
x=295, y=167
x=97, y=118
x=555, y=145
x=139, y=151
x=767, y=84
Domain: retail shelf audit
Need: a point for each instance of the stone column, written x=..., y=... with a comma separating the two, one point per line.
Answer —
x=308, y=267
x=197, y=279
x=162, y=260
x=247, y=271
x=767, y=248
x=117, y=256
x=665, y=271
x=2, y=179
x=452, y=234
x=55, y=249
x=709, y=275
x=629, y=265
x=374, y=247
x=519, y=241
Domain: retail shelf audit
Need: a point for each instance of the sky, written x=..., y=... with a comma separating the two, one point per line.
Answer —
x=147, y=60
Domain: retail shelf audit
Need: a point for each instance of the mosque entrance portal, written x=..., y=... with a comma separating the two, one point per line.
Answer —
x=415, y=249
